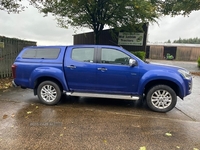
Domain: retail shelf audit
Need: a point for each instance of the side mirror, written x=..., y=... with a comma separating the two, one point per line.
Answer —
x=132, y=62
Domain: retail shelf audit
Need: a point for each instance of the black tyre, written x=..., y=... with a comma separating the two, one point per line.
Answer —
x=161, y=98
x=49, y=92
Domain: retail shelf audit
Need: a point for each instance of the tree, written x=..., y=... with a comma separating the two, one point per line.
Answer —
x=179, y=7
x=188, y=41
x=96, y=14
x=11, y=6
x=168, y=41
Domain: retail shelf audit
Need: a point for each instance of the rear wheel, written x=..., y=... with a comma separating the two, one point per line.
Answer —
x=49, y=92
x=161, y=98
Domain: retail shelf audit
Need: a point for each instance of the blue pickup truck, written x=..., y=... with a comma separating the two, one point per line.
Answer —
x=99, y=71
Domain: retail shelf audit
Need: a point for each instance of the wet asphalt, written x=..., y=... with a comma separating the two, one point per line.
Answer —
x=190, y=66
x=97, y=124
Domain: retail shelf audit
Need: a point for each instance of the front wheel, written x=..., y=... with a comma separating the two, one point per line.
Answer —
x=49, y=92
x=161, y=98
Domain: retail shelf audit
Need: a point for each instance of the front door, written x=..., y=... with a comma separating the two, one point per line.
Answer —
x=114, y=75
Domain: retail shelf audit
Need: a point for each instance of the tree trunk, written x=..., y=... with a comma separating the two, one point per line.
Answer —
x=96, y=37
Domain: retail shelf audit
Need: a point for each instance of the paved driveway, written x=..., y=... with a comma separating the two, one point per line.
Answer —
x=191, y=66
x=98, y=124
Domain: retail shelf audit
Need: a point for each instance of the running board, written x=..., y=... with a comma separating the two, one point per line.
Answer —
x=114, y=96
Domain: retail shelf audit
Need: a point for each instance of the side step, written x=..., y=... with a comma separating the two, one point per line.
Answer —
x=114, y=96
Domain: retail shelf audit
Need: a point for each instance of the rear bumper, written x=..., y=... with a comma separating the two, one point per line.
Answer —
x=14, y=84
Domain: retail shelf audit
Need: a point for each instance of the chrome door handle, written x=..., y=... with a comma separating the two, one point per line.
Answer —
x=71, y=67
x=102, y=69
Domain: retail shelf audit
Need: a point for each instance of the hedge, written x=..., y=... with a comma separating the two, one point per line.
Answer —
x=198, y=61
x=139, y=54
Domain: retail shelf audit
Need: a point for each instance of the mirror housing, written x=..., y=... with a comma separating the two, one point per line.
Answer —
x=132, y=62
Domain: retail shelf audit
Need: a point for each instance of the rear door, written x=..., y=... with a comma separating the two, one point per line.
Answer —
x=80, y=68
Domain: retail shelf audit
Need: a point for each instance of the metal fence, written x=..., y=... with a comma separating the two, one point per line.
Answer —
x=9, y=49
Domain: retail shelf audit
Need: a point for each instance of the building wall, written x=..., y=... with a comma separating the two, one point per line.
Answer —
x=156, y=52
x=9, y=49
x=107, y=38
x=181, y=53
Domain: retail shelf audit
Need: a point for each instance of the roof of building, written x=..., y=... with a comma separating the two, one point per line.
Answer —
x=173, y=44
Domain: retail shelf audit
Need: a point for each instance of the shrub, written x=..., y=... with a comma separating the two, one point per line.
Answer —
x=198, y=61
x=139, y=54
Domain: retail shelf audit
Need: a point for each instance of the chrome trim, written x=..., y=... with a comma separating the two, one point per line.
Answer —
x=71, y=67
x=132, y=62
x=102, y=69
x=114, y=96
x=13, y=84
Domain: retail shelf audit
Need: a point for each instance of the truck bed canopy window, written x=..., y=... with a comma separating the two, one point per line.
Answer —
x=41, y=53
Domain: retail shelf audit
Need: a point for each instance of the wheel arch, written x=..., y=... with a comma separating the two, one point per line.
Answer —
x=46, y=78
x=169, y=83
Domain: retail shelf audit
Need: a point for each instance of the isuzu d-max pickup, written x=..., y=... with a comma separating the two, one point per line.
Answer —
x=99, y=71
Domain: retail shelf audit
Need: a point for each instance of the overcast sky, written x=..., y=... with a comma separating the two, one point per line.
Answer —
x=31, y=25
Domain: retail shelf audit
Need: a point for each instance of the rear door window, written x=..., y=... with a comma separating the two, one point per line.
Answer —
x=83, y=54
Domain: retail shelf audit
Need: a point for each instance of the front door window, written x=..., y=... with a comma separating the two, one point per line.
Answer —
x=111, y=56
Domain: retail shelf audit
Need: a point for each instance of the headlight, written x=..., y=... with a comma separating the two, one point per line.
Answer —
x=185, y=74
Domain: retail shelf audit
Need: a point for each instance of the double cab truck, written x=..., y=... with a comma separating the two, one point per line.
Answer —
x=99, y=71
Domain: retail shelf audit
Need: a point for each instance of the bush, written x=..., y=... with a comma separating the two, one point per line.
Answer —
x=198, y=61
x=139, y=54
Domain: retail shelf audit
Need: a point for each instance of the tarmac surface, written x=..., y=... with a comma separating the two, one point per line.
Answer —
x=190, y=66
x=97, y=124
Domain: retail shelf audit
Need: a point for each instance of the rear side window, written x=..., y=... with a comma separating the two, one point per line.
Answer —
x=83, y=54
x=48, y=53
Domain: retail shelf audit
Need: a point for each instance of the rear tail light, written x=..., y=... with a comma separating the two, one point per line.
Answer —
x=14, y=70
